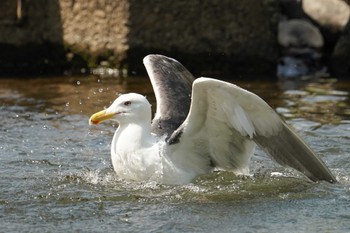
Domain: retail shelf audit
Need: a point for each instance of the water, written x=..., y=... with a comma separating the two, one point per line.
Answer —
x=56, y=174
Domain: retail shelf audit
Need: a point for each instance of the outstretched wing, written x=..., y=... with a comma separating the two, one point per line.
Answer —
x=227, y=120
x=172, y=84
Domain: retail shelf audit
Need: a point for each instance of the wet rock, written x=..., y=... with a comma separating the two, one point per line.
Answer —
x=292, y=67
x=301, y=45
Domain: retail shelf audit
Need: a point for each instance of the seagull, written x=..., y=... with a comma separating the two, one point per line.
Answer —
x=200, y=125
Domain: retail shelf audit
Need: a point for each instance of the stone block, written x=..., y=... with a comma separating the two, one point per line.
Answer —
x=227, y=36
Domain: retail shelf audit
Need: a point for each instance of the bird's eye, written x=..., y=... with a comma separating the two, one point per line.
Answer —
x=127, y=103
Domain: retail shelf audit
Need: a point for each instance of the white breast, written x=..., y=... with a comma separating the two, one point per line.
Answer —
x=150, y=162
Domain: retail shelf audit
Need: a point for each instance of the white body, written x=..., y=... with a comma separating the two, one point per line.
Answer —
x=145, y=157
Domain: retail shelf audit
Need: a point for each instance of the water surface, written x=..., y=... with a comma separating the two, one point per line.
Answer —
x=56, y=173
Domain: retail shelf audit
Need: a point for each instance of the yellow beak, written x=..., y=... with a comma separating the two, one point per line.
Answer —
x=100, y=116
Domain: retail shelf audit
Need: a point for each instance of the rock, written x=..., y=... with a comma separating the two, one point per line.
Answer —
x=301, y=44
x=331, y=17
x=299, y=33
x=328, y=13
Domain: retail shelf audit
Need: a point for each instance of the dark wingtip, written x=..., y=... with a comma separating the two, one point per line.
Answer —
x=156, y=58
x=152, y=61
x=328, y=178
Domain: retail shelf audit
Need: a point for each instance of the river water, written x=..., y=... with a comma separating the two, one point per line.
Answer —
x=56, y=174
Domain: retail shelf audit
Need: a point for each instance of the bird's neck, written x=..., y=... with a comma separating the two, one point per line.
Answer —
x=133, y=135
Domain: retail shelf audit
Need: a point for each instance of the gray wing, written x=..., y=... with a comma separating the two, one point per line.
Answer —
x=172, y=85
x=288, y=149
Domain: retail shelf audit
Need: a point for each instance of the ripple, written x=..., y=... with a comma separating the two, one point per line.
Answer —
x=36, y=162
x=216, y=187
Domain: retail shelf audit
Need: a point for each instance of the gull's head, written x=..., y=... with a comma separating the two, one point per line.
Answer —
x=130, y=107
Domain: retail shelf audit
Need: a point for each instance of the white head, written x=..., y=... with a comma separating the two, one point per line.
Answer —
x=127, y=108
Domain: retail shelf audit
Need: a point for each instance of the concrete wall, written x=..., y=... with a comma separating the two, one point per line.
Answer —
x=226, y=35
x=96, y=29
x=31, y=37
x=219, y=36
x=233, y=36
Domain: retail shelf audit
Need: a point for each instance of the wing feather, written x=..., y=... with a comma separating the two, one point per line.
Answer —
x=172, y=84
x=230, y=120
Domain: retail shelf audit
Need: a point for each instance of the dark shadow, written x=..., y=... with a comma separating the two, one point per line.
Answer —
x=340, y=60
x=31, y=39
x=195, y=34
